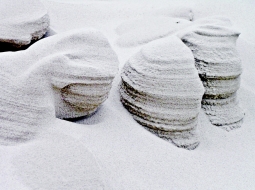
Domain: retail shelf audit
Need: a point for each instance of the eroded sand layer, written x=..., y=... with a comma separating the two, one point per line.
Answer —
x=161, y=89
x=22, y=22
x=67, y=75
x=219, y=67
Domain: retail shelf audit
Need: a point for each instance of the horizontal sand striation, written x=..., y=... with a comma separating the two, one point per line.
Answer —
x=161, y=88
x=219, y=67
x=67, y=75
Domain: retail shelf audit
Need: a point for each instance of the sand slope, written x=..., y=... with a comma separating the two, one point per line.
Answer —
x=132, y=158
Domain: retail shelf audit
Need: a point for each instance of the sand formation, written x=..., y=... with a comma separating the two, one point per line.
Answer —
x=22, y=22
x=219, y=67
x=162, y=90
x=67, y=75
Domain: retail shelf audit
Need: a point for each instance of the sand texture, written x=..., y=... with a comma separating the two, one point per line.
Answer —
x=59, y=162
x=108, y=149
x=22, y=22
x=141, y=31
x=69, y=73
x=214, y=20
x=219, y=67
x=181, y=11
x=161, y=88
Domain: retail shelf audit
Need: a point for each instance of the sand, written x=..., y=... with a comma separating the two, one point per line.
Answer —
x=128, y=156
x=22, y=23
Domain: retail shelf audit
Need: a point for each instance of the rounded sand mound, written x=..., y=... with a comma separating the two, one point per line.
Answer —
x=162, y=90
x=68, y=74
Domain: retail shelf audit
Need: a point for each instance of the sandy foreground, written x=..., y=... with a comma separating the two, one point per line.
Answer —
x=110, y=150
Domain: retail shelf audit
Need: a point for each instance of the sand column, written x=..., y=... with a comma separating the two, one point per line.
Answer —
x=219, y=68
x=162, y=90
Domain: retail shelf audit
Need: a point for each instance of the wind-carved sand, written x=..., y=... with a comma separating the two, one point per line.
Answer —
x=67, y=75
x=219, y=67
x=161, y=89
x=22, y=22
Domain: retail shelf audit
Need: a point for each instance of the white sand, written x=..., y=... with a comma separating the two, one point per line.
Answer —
x=53, y=162
x=219, y=67
x=22, y=21
x=137, y=32
x=161, y=88
x=129, y=156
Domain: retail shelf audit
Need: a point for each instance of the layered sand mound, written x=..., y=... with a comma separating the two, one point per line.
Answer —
x=82, y=90
x=162, y=90
x=69, y=74
x=22, y=22
x=219, y=67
